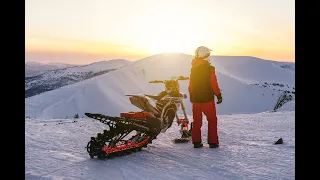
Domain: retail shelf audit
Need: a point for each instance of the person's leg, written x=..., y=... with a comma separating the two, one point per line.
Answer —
x=197, y=123
x=209, y=110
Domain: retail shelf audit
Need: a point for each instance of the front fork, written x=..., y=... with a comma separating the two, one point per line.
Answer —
x=185, y=132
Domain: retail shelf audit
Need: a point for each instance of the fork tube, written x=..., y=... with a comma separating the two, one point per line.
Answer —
x=177, y=118
x=184, y=112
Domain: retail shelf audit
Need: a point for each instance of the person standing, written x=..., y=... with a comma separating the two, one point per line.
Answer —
x=203, y=87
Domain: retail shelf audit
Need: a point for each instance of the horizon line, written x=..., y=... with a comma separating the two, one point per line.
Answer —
x=145, y=57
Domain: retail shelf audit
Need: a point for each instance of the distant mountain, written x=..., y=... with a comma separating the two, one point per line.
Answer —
x=62, y=65
x=248, y=84
x=53, y=79
x=35, y=68
x=287, y=65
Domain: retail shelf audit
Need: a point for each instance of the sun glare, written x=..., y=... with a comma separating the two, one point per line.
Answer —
x=158, y=27
x=163, y=46
x=171, y=38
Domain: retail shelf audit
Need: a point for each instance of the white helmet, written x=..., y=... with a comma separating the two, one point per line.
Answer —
x=202, y=52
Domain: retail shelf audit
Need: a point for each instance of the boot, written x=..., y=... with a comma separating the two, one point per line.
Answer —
x=213, y=145
x=197, y=145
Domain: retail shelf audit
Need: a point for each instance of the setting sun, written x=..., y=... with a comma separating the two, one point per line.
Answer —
x=171, y=40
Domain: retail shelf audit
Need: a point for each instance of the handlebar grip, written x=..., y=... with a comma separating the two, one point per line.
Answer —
x=183, y=78
x=156, y=81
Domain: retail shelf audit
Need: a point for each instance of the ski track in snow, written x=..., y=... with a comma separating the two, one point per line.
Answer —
x=55, y=150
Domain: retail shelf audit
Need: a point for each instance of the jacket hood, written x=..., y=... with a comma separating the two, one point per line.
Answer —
x=197, y=62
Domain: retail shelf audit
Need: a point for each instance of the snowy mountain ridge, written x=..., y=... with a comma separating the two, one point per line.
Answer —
x=105, y=94
x=35, y=68
x=57, y=78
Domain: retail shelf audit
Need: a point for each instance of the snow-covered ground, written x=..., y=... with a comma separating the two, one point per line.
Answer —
x=55, y=143
x=55, y=150
x=106, y=93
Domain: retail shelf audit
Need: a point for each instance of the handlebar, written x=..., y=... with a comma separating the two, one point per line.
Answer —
x=157, y=81
x=181, y=78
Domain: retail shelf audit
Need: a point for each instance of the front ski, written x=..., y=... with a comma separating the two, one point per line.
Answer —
x=185, y=132
x=182, y=140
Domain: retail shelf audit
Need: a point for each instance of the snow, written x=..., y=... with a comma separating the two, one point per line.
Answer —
x=247, y=126
x=106, y=93
x=55, y=150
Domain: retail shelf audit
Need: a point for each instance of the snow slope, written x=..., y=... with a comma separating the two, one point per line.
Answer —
x=55, y=150
x=253, y=70
x=106, y=93
x=62, y=77
x=243, y=68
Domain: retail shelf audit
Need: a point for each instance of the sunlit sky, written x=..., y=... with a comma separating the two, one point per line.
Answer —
x=84, y=31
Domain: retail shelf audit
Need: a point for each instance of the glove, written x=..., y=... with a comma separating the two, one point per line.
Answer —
x=219, y=98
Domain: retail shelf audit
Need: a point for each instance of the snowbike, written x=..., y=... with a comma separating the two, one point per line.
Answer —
x=134, y=130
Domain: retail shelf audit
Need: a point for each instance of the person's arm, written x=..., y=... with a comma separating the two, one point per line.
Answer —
x=214, y=83
x=190, y=85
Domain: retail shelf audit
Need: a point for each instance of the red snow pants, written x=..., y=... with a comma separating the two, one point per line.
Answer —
x=209, y=109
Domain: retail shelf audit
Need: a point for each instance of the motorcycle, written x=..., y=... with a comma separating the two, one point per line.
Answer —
x=156, y=116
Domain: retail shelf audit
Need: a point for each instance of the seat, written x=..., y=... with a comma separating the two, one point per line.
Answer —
x=155, y=97
x=142, y=103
